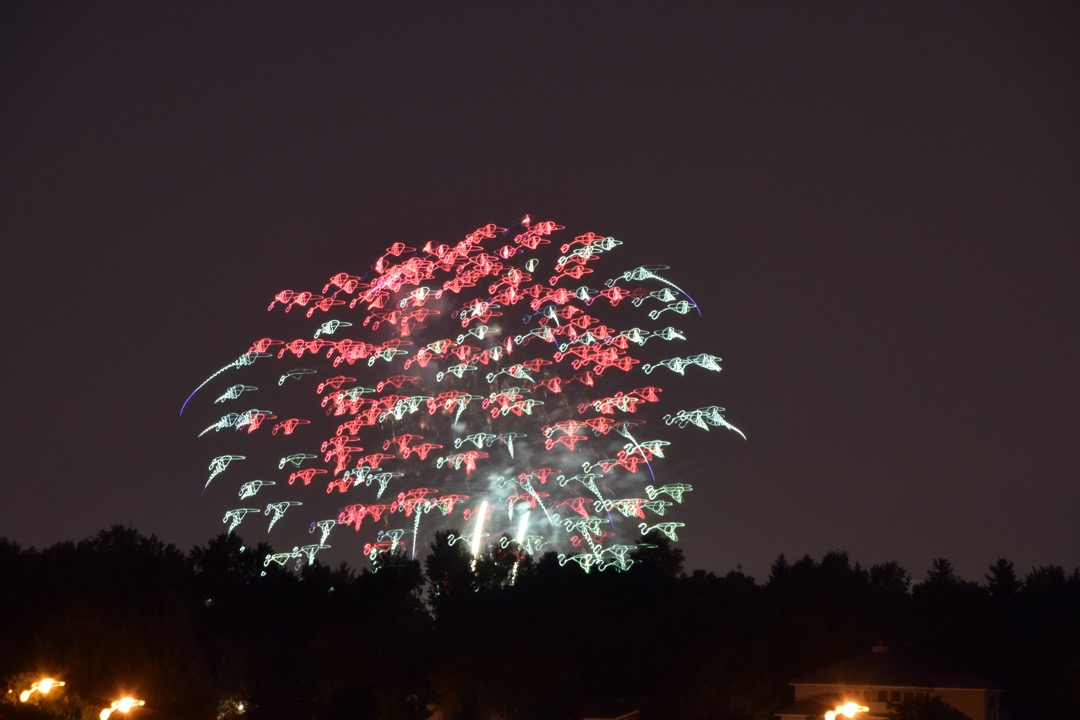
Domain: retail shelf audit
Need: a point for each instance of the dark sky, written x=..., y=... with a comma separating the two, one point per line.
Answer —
x=874, y=204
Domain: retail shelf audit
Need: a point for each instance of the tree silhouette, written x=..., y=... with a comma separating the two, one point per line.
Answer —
x=1001, y=581
x=657, y=554
x=506, y=635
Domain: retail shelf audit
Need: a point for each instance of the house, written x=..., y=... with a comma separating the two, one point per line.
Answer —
x=882, y=680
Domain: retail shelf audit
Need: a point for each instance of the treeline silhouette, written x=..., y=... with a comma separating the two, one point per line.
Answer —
x=196, y=634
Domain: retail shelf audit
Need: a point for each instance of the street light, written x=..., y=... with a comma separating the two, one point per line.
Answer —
x=43, y=686
x=124, y=704
x=848, y=710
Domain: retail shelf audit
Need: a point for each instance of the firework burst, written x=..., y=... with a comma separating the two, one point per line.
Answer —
x=502, y=386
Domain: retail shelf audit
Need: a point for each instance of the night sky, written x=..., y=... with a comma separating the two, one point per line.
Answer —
x=876, y=206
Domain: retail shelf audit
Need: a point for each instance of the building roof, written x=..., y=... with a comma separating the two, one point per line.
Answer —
x=884, y=668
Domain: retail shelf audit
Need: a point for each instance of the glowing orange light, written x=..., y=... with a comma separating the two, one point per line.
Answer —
x=43, y=686
x=124, y=705
x=848, y=710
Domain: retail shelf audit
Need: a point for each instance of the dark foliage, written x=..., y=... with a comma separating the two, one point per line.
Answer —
x=502, y=636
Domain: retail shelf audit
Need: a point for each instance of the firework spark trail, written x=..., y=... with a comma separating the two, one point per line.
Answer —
x=246, y=359
x=470, y=384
